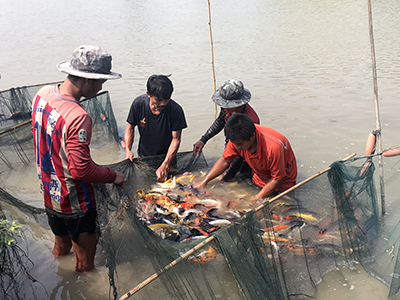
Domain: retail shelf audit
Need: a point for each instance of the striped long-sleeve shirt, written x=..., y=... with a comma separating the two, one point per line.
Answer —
x=62, y=132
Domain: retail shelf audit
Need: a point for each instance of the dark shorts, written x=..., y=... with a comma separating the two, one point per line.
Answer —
x=73, y=225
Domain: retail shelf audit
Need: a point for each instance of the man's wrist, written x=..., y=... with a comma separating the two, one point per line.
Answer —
x=164, y=165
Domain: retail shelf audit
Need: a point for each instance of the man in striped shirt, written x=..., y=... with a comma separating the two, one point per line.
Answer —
x=61, y=133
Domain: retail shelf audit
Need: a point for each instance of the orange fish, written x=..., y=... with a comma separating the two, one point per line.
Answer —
x=290, y=218
x=186, y=205
x=277, y=228
x=301, y=249
x=276, y=217
x=205, y=256
x=285, y=227
x=200, y=230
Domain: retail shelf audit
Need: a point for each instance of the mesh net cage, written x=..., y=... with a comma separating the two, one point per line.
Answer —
x=279, y=249
x=17, y=171
x=15, y=105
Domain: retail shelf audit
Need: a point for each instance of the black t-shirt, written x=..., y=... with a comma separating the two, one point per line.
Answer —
x=155, y=130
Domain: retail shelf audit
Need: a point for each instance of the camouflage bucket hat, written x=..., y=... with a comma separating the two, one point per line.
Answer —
x=89, y=62
x=231, y=94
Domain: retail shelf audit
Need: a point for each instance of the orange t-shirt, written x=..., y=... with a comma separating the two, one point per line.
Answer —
x=274, y=158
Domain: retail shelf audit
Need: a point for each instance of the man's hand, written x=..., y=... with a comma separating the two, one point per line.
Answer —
x=162, y=173
x=199, y=185
x=197, y=147
x=119, y=179
x=254, y=198
x=128, y=141
x=129, y=154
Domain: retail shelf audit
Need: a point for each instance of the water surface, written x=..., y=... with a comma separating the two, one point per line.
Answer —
x=306, y=63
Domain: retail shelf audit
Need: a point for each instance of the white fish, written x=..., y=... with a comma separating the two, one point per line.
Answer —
x=167, y=185
x=220, y=223
x=210, y=202
x=169, y=222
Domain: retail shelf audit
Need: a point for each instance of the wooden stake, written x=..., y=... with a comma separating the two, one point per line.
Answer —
x=377, y=115
x=212, y=53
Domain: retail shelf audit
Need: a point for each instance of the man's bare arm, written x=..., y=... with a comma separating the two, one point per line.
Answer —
x=162, y=171
x=128, y=139
x=218, y=168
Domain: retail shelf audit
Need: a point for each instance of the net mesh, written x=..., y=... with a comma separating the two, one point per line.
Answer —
x=275, y=250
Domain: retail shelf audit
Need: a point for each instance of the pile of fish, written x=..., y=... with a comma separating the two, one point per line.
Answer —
x=293, y=229
x=176, y=211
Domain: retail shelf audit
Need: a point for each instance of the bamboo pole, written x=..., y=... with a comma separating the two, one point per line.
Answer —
x=166, y=268
x=212, y=53
x=32, y=85
x=15, y=127
x=269, y=201
x=212, y=237
x=30, y=120
x=377, y=115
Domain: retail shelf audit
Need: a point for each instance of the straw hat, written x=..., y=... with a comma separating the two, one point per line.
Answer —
x=89, y=62
x=231, y=94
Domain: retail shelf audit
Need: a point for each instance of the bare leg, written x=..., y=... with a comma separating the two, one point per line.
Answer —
x=62, y=245
x=85, y=250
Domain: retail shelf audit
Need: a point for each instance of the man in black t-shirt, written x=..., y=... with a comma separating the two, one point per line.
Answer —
x=160, y=121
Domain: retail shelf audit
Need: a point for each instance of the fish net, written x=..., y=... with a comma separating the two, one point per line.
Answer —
x=279, y=250
x=220, y=246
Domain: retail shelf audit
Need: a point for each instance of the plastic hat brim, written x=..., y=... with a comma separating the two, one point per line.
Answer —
x=66, y=67
x=224, y=103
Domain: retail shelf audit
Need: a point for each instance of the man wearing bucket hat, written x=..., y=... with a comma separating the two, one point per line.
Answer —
x=267, y=151
x=233, y=98
x=62, y=132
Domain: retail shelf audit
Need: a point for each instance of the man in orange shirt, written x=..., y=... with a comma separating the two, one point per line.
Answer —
x=267, y=151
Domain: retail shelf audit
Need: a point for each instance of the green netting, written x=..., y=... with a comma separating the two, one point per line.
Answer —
x=278, y=251
x=275, y=250
x=14, y=264
x=15, y=105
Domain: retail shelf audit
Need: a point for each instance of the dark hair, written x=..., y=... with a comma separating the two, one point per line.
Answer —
x=160, y=86
x=239, y=126
x=75, y=79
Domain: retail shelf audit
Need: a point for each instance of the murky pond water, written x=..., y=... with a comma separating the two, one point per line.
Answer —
x=306, y=63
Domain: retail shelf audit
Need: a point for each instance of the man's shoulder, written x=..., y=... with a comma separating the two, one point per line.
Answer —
x=45, y=92
x=250, y=109
x=269, y=134
x=265, y=129
x=139, y=102
x=141, y=98
x=175, y=105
